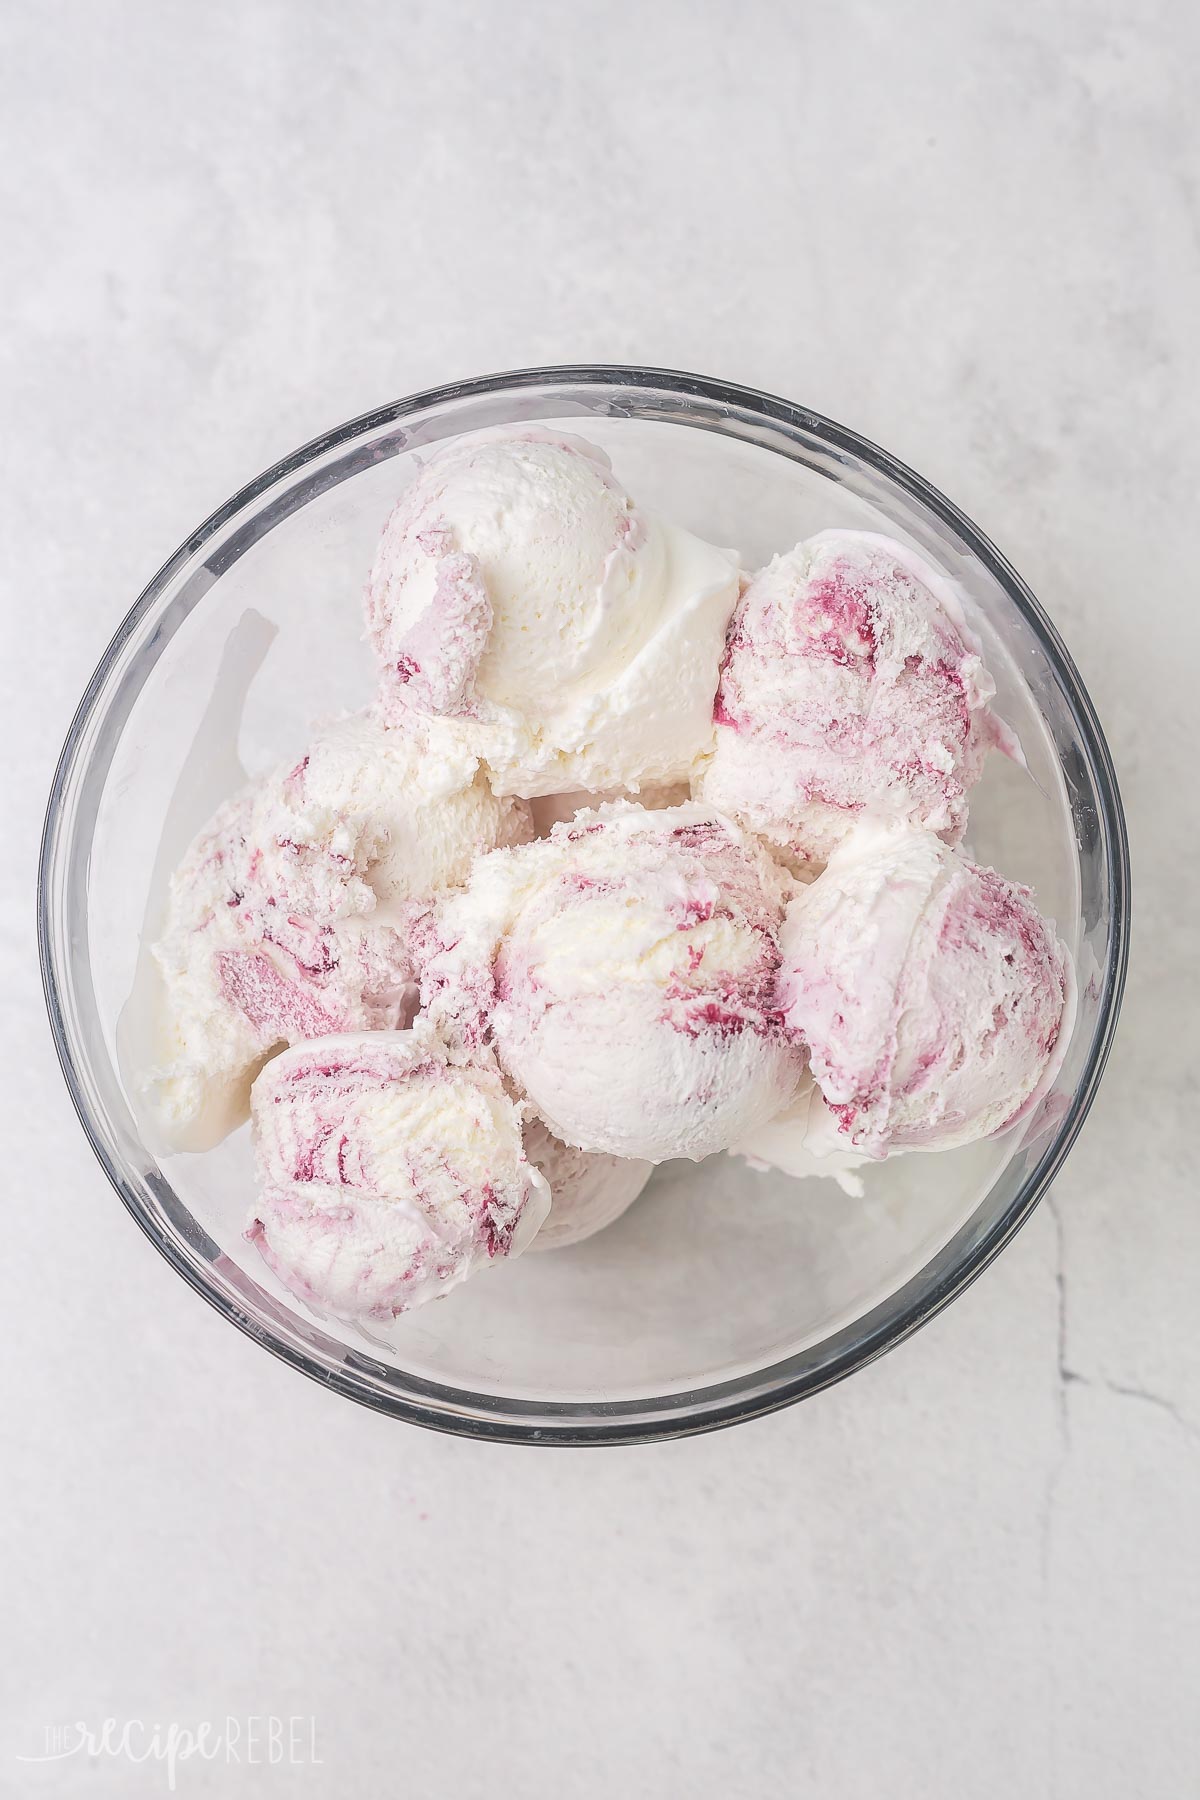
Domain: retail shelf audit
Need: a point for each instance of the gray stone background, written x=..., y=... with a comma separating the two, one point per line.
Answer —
x=971, y=231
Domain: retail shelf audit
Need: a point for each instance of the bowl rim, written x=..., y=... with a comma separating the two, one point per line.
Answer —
x=887, y=1323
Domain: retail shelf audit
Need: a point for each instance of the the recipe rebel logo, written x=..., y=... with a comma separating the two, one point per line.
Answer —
x=265, y=1740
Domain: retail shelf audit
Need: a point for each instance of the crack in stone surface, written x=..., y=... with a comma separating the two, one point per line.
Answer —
x=1063, y=1376
x=1068, y=1376
x=1065, y=1372
x=1101, y=1384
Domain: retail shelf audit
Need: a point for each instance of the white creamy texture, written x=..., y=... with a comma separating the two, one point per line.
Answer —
x=387, y=1173
x=574, y=639
x=549, y=810
x=786, y=1143
x=852, y=687
x=414, y=801
x=587, y=1192
x=283, y=920
x=625, y=970
x=934, y=1000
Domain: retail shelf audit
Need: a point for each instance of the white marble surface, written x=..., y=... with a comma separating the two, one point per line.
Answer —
x=971, y=231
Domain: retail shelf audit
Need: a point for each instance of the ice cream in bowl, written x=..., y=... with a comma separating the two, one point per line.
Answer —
x=584, y=906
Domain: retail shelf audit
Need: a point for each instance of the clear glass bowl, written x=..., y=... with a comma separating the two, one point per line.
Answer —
x=724, y=1292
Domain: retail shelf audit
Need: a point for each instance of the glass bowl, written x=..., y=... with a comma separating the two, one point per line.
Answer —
x=724, y=1292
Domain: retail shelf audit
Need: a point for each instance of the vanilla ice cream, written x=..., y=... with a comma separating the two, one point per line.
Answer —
x=387, y=1173
x=934, y=999
x=548, y=810
x=573, y=639
x=624, y=969
x=587, y=1192
x=284, y=919
x=852, y=687
x=786, y=1143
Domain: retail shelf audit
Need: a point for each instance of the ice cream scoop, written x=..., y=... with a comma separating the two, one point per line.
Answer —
x=284, y=919
x=587, y=1192
x=852, y=687
x=387, y=1173
x=933, y=998
x=573, y=639
x=624, y=969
